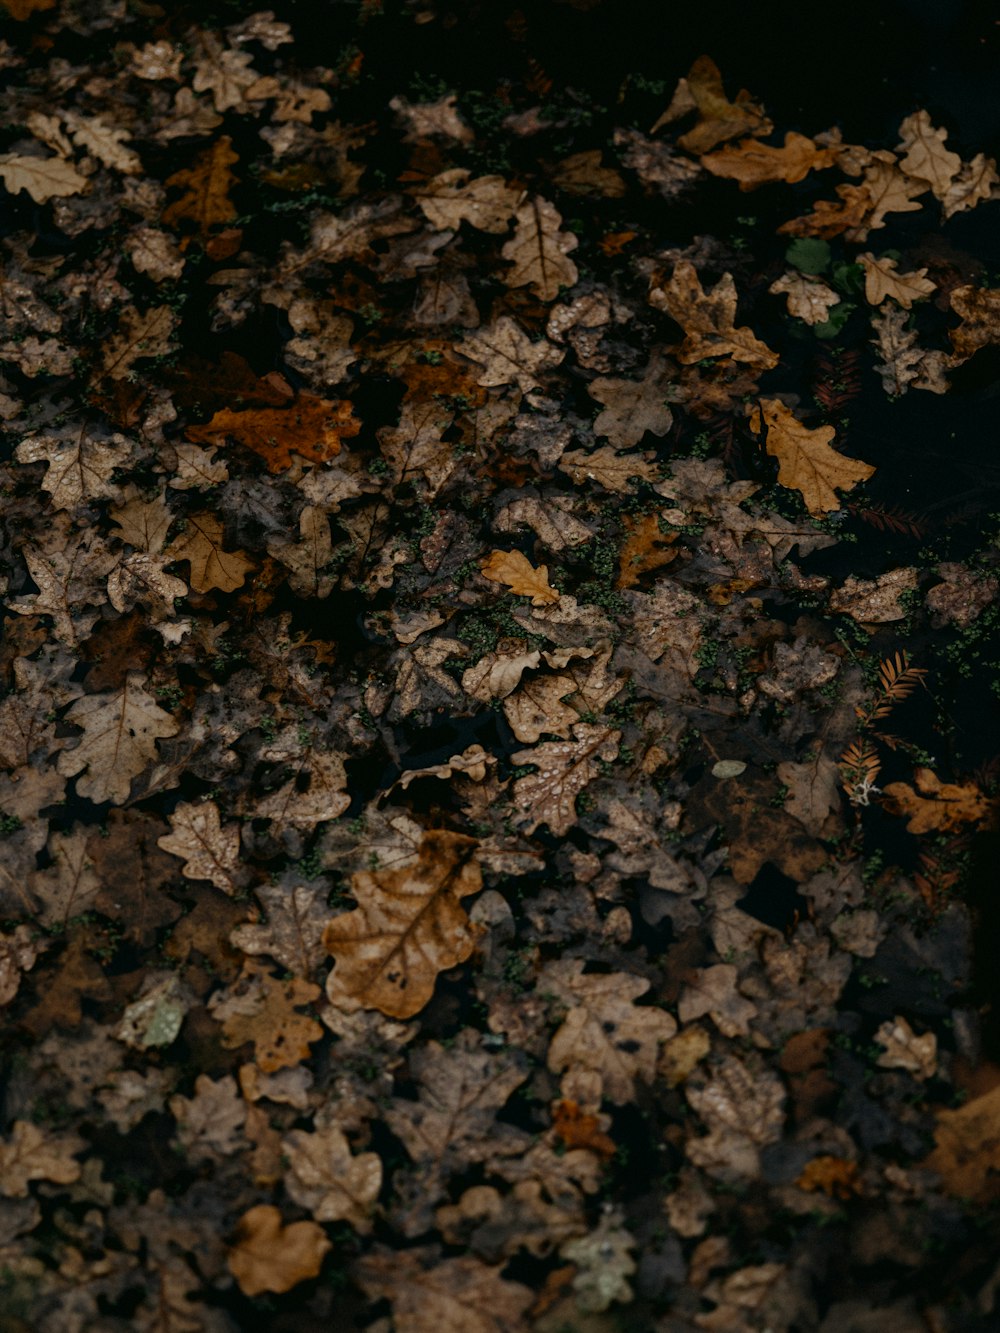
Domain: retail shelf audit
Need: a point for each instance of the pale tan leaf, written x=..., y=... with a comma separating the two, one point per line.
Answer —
x=926, y=158
x=211, y=566
x=31, y=1153
x=44, y=178
x=328, y=1181
x=539, y=251
x=564, y=769
x=451, y=198
x=209, y=850
x=882, y=279
x=120, y=732
x=707, y=319
x=508, y=356
x=808, y=298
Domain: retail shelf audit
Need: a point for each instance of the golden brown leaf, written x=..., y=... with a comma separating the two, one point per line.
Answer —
x=979, y=310
x=837, y=1178
x=269, y=1256
x=806, y=463
x=516, y=572
x=260, y=1008
x=311, y=427
x=645, y=547
x=967, y=1148
x=200, y=544
x=409, y=925
x=937, y=806
x=539, y=251
x=564, y=768
x=882, y=280
x=926, y=158
x=754, y=164
x=707, y=319
x=206, y=187
x=718, y=118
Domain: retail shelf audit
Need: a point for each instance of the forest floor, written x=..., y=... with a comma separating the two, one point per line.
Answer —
x=499, y=760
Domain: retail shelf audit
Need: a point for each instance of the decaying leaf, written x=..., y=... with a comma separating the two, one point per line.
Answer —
x=311, y=427
x=44, y=178
x=205, y=199
x=806, y=461
x=718, y=118
x=325, y=1178
x=409, y=925
x=538, y=251
x=808, y=298
x=754, y=164
x=564, y=769
x=30, y=1153
x=882, y=280
x=200, y=544
x=259, y=1008
x=967, y=1148
x=433, y=1295
x=979, y=310
x=508, y=356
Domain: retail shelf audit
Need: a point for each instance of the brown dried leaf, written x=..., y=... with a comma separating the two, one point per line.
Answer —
x=979, y=311
x=260, y=1008
x=515, y=571
x=324, y=1178
x=30, y=1153
x=211, y=566
x=206, y=187
x=806, y=461
x=538, y=251
x=937, y=806
x=79, y=465
x=967, y=1148
x=927, y=160
x=408, y=926
x=269, y=1256
x=718, y=118
x=451, y=198
x=754, y=164
x=44, y=178
x=808, y=298
x=508, y=356
x=311, y=427
x=707, y=319
x=564, y=770
x=140, y=336
x=882, y=280
x=209, y=850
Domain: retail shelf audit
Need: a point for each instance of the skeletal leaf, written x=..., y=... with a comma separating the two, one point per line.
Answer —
x=209, y=850
x=269, y=1256
x=539, y=251
x=119, y=738
x=515, y=571
x=806, y=461
x=409, y=925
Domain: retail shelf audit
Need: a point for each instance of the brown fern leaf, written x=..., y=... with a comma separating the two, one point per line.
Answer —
x=859, y=767
x=538, y=82
x=837, y=379
x=889, y=518
x=898, y=678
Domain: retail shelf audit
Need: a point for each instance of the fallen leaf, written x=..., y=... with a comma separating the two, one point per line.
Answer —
x=31, y=1153
x=205, y=199
x=119, y=738
x=80, y=464
x=837, y=1178
x=603, y=1264
x=200, y=544
x=807, y=464
x=808, y=298
x=937, y=806
x=564, y=769
x=926, y=158
x=966, y=1151
x=44, y=178
x=311, y=427
x=141, y=335
x=515, y=571
x=713, y=992
x=718, y=118
x=327, y=1180
x=743, y=1112
x=209, y=850
x=269, y=1256
x=979, y=311
x=508, y=356
x=903, y=363
x=707, y=319
x=258, y=1007
x=646, y=547
x=878, y=601
x=433, y=1295
x=903, y=1049
x=754, y=164
x=408, y=926
x=451, y=198
x=538, y=251
x=882, y=280
x=632, y=407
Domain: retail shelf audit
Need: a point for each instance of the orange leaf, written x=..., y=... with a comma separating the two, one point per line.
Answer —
x=938, y=806
x=521, y=577
x=836, y=1177
x=311, y=427
x=268, y=1256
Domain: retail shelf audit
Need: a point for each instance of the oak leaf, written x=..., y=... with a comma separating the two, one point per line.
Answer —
x=808, y=298
x=537, y=708
x=409, y=925
x=937, y=806
x=926, y=158
x=433, y=1295
x=200, y=544
x=119, y=738
x=221, y=71
x=584, y=174
x=718, y=118
x=645, y=547
x=326, y=1179
x=209, y=850
x=451, y=198
x=903, y=1049
x=210, y=1123
x=743, y=1112
x=206, y=187
x=269, y=1256
x=80, y=464
x=508, y=356
x=632, y=407
x=714, y=992
x=516, y=572
x=605, y=1030
x=307, y=559
x=882, y=280
x=967, y=1148
x=415, y=450
x=976, y=182
x=20, y=10
x=258, y=1007
x=903, y=363
x=293, y=933
x=979, y=311
x=707, y=319
x=565, y=768
x=141, y=334
x=603, y=1264
x=754, y=164
x=30, y=1153
x=806, y=462
x=311, y=427
x=44, y=178
x=104, y=142
x=875, y=601
x=538, y=251
x=831, y=218
x=313, y=795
